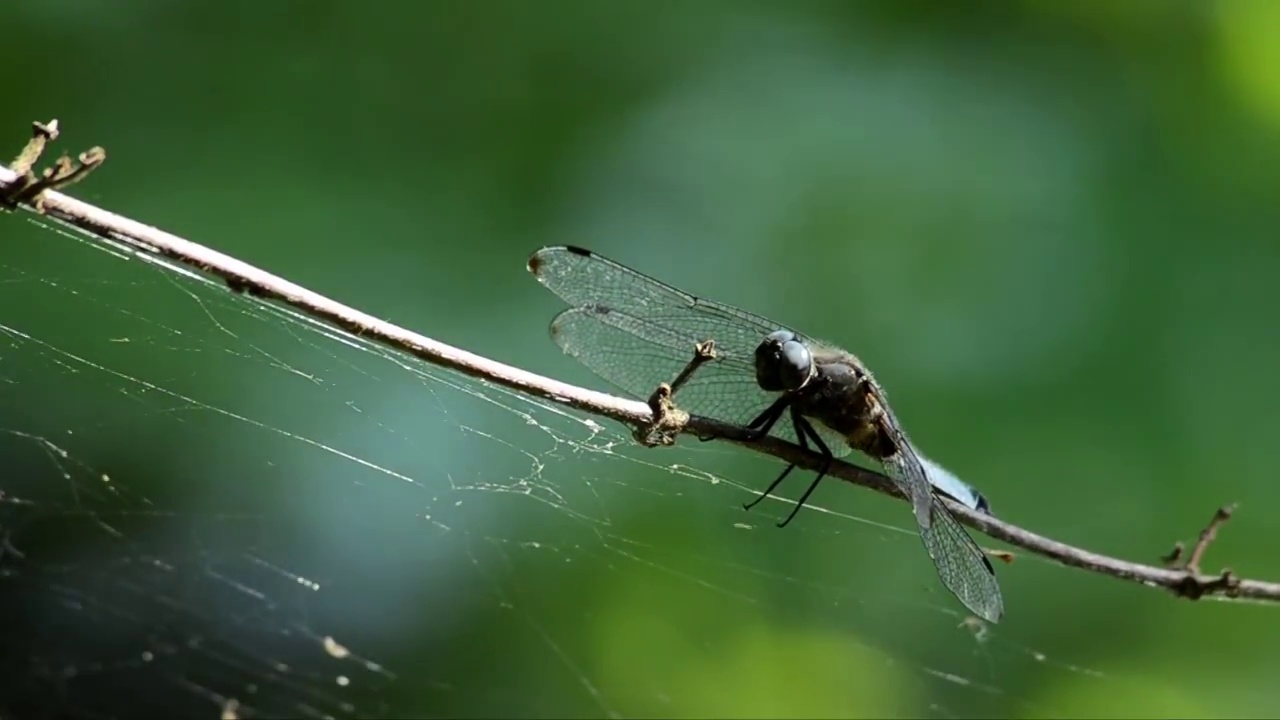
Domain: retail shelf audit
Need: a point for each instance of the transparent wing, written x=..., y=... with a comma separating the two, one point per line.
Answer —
x=660, y=313
x=636, y=332
x=961, y=564
x=636, y=356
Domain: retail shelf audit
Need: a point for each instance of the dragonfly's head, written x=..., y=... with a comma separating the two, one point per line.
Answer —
x=783, y=362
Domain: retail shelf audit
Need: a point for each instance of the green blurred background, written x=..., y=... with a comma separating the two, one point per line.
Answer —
x=1048, y=226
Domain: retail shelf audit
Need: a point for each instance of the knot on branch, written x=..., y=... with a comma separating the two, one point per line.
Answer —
x=1194, y=587
x=668, y=420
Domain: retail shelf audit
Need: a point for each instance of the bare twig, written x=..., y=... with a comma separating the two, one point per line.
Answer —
x=1225, y=582
x=1207, y=536
x=26, y=188
x=242, y=277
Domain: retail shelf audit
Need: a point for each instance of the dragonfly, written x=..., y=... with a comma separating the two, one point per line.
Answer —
x=743, y=369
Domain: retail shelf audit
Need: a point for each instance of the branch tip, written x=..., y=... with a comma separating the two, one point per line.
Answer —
x=48, y=131
x=41, y=135
x=1171, y=560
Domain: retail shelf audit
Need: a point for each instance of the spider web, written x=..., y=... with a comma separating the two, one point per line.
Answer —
x=213, y=506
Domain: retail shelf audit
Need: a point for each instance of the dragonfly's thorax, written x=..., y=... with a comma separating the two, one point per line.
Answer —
x=844, y=397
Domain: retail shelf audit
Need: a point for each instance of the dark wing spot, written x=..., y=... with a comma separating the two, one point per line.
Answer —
x=578, y=251
x=982, y=504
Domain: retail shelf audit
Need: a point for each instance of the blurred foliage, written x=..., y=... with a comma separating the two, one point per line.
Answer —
x=1049, y=227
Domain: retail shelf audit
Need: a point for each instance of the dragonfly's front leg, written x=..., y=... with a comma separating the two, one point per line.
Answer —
x=805, y=434
x=804, y=443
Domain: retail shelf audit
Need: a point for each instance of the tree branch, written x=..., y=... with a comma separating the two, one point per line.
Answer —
x=24, y=190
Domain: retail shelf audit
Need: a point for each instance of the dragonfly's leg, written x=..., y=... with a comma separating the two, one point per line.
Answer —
x=770, y=489
x=795, y=418
x=804, y=428
x=762, y=424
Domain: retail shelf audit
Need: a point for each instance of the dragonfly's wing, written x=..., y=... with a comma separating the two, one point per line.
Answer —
x=962, y=565
x=660, y=312
x=903, y=466
x=637, y=332
x=637, y=354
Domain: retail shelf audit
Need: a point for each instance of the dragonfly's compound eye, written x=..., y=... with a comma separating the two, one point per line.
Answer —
x=783, y=362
